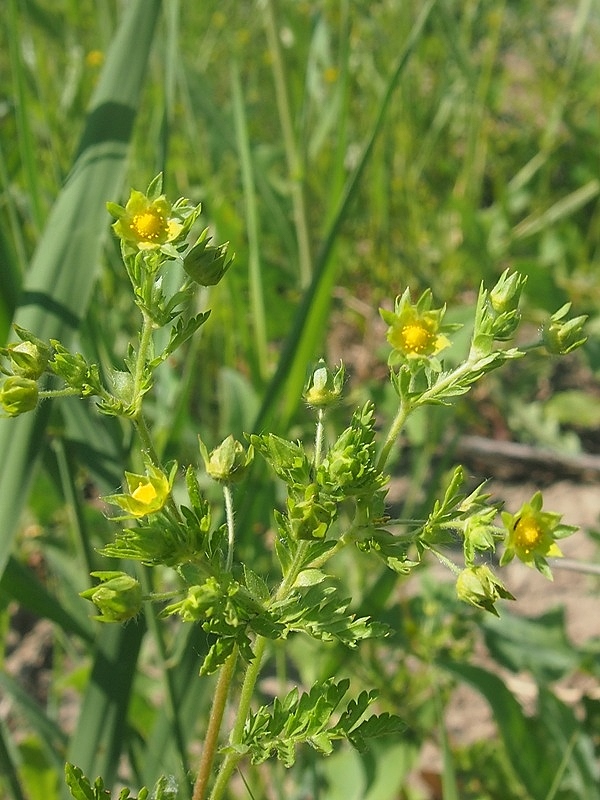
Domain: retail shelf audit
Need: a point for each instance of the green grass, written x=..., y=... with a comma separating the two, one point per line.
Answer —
x=361, y=146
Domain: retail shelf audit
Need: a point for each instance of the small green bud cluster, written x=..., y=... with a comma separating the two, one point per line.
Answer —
x=497, y=315
x=118, y=597
x=561, y=335
x=348, y=471
x=228, y=462
x=324, y=387
x=24, y=363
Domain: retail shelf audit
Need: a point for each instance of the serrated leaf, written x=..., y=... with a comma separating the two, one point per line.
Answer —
x=180, y=333
x=255, y=584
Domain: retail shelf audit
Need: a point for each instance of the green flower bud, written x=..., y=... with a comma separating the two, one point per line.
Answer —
x=28, y=359
x=206, y=264
x=560, y=336
x=324, y=386
x=227, y=462
x=118, y=597
x=18, y=395
x=506, y=294
x=481, y=588
x=310, y=515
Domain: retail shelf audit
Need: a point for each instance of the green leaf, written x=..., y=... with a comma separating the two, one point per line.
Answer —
x=305, y=718
x=538, y=645
x=320, y=612
x=523, y=737
x=21, y=584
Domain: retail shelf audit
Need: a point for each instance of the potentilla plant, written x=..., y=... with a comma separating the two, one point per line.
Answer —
x=335, y=497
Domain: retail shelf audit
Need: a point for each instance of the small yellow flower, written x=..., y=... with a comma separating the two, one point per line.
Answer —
x=331, y=74
x=145, y=223
x=147, y=493
x=532, y=534
x=414, y=339
x=416, y=330
x=95, y=58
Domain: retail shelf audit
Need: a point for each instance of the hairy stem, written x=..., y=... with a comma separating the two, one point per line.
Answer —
x=214, y=726
x=228, y=495
x=232, y=759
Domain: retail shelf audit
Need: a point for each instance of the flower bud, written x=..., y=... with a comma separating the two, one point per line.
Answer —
x=506, y=294
x=324, y=386
x=28, y=359
x=18, y=395
x=227, y=462
x=206, y=264
x=310, y=515
x=559, y=336
x=118, y=597
x=481, y=588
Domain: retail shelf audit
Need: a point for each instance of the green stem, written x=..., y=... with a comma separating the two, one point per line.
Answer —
x=319, y=437
x=68, y=392
x=228, y=495
x=167, y=673
x=428, y=396
x=232, y=759
x=209, y=750
x=140, y=364
x=394, y=432
x=445, y=561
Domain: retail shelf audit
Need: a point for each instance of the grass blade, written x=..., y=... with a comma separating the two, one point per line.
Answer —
x=309, y=322
x=60, y=280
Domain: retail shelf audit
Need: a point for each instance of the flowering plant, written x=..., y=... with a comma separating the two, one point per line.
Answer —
x=333, y=499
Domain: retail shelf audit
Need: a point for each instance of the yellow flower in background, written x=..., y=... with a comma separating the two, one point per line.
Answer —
x=532, y=534
x=95, y=58
x=146, y=224
x=415, y=329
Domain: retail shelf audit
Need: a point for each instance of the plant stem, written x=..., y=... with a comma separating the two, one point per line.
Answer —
x=394, y=432
x=427, y=397
x=214, y=726
x=232, y=759
x=140, y=364
x=319, y=437
x=228, y=495
x=68, y=392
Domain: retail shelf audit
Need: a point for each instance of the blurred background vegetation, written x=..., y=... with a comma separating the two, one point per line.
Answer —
x=346, y=150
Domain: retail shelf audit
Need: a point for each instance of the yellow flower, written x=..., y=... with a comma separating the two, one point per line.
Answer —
x=146, y=224
x=416, y=330
x=95, y=58
x=532, y=534
x=147, y=493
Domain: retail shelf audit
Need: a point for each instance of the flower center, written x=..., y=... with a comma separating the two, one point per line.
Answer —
x=416, y=338
x=149, y=225
x=145, y=493
x=529, y=534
